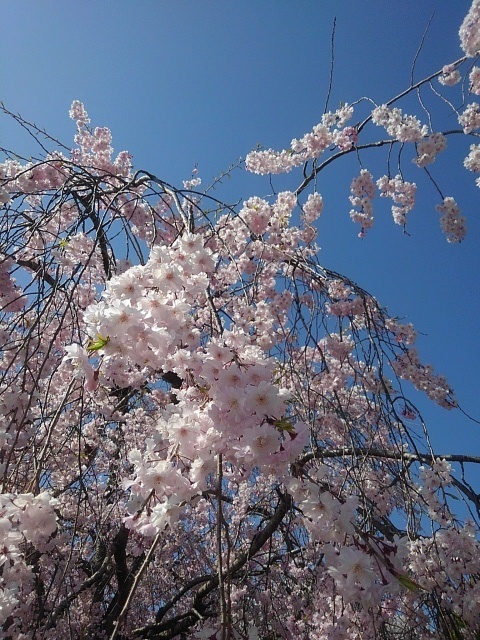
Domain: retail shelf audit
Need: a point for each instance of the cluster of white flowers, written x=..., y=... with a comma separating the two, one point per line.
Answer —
x=363, y=191
x=323, y=135
x=234, y=408
x=271, y=161
x=147, y=308
x=474, y=78
x=23, y=518
x=402, y=194
x=450, y=76
x=408, y=367
x=472, y=161
x=453, y=224
x=402, y=332
x=257, y=213
x=11, y=295
x=314, y=143
x=404, y=128
x=470, y=30
x=312, y=208
x=428, y=148
x=470, y=118
x=94, y=147
x=435, y=477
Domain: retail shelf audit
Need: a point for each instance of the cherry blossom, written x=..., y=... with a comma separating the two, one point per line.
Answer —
x=450, y=76
x=453, y=224
x=470, y=31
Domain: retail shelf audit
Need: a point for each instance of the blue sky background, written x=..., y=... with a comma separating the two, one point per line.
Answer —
x=203, y=81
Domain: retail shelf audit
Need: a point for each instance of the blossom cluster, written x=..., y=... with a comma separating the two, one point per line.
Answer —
x=474, y=78
x=470, y=118
x=11, y=295
x=429, y=148
x=362, y=193
x=446, y=564
x=402, y=194
x=450, y=75
x=472, y=161
x=94, y=147
x=436, y=477
x=403, y=127
x=24, y=519
x=409, y=367
x=452, y=222
x=470, y=30
x=312, y=208
x=233, y=409
x=403, y=333
x=32, y=178
x=330, y=131
x=146, y=310
x=145, y=324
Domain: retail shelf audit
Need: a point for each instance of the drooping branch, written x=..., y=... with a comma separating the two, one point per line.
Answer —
x=173, y=627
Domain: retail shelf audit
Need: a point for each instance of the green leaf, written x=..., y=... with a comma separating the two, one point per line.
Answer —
x=282, y=424
x=408, y=583
x=98, y=343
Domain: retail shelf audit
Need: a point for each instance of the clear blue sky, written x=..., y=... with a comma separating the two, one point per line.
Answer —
x=204, y=81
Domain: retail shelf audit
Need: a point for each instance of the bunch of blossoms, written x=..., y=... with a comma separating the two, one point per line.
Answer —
x=231, y=407
x=283, y=237
x=310, y=146
x=77, y=249
x=361, y=577
x=474, y=78
x=429, y=148
x=32, y=178
x=403, y=333
x=363, y=191
x=404, y=128
x=329, y=130
x=470, y=30
x=447, y=564
x=143, y=216
x=470, y=118
x=364, y=569
x=435, y=478
x=11, y=295
x=94, y=147
x=146, y=311
x=313, y=207
x=347, y=307
x=146, y=323
x=450, y=75
x=256, y=213
x=271, y=161
x=343, y=302
x=237, y=413
x=272, y=224
x=402, y=194
x=472, y=161
x=314, y=143
x=25, y=521
x=452, y=222
x=408, y=367
x=249, y=260
x=346, y=138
